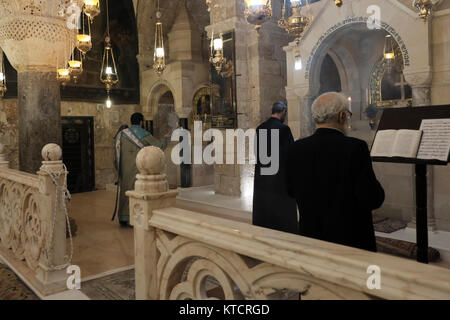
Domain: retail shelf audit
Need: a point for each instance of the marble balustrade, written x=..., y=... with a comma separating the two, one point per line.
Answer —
x=32, y=237
x=182, y=254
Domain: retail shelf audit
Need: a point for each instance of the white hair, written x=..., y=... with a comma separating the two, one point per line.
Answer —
x=327, y=107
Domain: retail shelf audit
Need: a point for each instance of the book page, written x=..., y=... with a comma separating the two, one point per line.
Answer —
x=436, y=140
x=384, y=143
x=407, y=143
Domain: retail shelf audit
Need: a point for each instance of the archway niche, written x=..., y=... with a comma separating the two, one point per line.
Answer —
x=165, y=120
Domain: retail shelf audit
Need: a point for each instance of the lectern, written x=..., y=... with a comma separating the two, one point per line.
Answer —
x=411, y=118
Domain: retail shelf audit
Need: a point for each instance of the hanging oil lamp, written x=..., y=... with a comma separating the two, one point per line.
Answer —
x=109, y=75
x=76, y=65
x=258, y=12
x=425, y=7
x=297, y=23
x=84, y=39
x=159, y=58
x=217, y=57
x=91, y=8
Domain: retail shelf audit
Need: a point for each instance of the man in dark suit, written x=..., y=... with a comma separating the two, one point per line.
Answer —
x=332, y=178
x=273, y=208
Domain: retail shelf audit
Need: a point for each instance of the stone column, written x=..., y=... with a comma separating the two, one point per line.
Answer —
x=420, y=82
x=40, y=116
x=36, y=37
x=151, y=193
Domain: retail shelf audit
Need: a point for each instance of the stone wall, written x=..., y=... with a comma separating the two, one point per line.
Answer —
x=106, y=124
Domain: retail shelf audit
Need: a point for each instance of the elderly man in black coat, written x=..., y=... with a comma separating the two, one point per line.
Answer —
x=332, y=178
x=273, y=208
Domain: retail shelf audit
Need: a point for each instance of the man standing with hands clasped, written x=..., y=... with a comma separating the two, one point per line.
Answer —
x=332, y=178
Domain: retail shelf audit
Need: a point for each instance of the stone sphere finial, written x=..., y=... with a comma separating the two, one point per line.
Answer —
x=151, y=161
x=51, y=152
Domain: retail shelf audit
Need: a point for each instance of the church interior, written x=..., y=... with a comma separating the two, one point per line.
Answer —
x=73, y=72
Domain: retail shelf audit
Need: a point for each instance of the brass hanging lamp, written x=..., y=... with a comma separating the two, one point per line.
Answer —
x=297, y=23
x=338, y=3
x=76, y=64
x=84, y=39
x=425, y=7
x=91, y=8
x=258, y=12
x=217, y=58
x=108, y=74
x=159, y=57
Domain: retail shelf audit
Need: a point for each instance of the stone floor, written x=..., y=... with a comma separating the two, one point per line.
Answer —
x=101, y=246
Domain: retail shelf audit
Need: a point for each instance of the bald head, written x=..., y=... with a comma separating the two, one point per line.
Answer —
x=328, y=107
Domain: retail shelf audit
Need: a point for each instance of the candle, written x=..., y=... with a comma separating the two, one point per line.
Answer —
x=350, y=104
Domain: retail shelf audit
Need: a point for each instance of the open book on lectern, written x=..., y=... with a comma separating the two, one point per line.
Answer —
x=430, y=142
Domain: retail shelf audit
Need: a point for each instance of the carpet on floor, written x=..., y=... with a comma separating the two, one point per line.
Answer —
x=12, y=288
x=118, y=286
x=404, y=249
x=388, y=225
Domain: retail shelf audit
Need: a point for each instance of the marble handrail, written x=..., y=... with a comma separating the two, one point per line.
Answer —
x=32, y=221
x=336, y=264
x=24, y=178
x=181, y=254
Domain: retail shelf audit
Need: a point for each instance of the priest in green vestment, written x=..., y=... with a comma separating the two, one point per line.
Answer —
x=128, y=143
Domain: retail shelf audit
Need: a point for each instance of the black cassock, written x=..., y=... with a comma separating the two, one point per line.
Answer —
x=273, y=208
x=332, y=178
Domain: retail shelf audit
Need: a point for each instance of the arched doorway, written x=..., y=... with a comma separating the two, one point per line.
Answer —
x=341, y=36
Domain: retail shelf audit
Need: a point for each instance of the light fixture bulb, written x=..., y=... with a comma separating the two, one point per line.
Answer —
x=160, y=52
x=256, y=3
x=2, y=76
x=108, y=103
x=218, y=44
x=298, y=63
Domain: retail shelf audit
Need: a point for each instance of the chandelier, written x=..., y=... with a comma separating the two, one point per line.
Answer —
x=3, y=88
x=159, y=58
x=296, y=23
x=217, y=58
x=389, y=52
x=425, y=7
x=258, y=12
x=91, y=8
x=84, y=39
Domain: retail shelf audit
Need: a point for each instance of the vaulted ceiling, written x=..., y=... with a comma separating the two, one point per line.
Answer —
x=146, y=18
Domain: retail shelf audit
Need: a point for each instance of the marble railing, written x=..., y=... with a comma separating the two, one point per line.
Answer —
x=32, y=236
x=181, y=254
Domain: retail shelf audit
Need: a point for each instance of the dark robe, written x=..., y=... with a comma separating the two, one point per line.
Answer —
x=332, y=178
x=273, y=208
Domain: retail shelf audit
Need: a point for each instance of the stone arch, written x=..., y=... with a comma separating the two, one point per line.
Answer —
x=154, y=94
x=328, y=26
